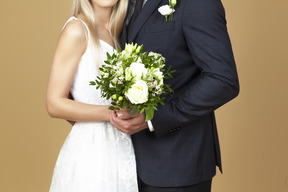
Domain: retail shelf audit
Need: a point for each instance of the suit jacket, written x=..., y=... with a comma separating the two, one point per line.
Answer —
x=184, y=149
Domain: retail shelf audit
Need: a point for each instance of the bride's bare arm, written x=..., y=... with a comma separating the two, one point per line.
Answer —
x=71, y=46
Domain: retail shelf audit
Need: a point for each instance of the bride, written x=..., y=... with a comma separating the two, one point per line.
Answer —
x=95, y=156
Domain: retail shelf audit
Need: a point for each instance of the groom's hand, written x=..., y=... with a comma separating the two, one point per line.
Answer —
x=130, y=126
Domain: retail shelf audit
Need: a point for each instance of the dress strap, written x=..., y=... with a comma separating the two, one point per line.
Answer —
x=72, y=18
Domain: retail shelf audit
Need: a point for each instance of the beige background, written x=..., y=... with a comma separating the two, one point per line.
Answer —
x=252, y=128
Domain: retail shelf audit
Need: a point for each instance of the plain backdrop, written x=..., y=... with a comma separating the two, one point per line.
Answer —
x=252, y=128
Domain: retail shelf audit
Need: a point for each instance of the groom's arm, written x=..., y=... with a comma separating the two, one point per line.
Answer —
x=205, y=31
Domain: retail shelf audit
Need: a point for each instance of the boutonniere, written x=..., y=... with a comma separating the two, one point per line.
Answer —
x=168, y=10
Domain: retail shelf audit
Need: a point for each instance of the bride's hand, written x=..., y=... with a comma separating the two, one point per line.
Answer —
x=126, y=114
x=130, y=126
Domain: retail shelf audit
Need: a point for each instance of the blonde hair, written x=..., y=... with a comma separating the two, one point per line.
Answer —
x=84, y=7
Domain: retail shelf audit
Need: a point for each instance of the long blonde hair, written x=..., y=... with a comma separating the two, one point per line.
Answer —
x=84, y=7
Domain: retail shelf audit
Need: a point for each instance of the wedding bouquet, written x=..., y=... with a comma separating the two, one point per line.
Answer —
x=133, y=79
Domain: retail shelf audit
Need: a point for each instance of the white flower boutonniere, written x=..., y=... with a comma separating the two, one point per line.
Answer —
x=168, y=10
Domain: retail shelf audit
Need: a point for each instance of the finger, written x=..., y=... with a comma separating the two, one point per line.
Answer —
x=118, y=127
x=123, y=115
x=120, y=121
x=120, y=124
x=114, y=113
x=112, y=120
x=136, y=121
x=117, y=119
x=119, y=114
x=130, y=126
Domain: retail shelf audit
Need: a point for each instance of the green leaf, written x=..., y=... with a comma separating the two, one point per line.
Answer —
x=149, y=113
x=108, y=55
x=111, y=108
x=169, y=68
x=92, y=83
x=155, y=108
x=142, y=110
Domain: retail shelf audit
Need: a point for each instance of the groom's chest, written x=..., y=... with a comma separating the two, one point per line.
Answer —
x=157, y=34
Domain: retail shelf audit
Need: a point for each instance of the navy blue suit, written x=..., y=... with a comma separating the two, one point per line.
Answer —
x=184, y=149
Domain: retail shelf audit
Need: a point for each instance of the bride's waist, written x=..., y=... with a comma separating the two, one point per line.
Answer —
x=92, y=124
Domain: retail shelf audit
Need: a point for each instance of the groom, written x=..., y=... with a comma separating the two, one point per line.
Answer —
x=178, y=150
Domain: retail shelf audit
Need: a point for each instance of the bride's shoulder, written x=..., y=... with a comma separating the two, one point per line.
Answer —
x=74, y=29
x=73, y=37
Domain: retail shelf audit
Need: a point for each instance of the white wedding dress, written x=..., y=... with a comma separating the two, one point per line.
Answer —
x=95, y=157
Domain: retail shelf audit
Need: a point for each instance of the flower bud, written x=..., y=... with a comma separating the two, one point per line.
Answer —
x=139, y=49
x=128, y=48
x=173, y=3
x=134, y=47
x=128, y=75
x=114, y=96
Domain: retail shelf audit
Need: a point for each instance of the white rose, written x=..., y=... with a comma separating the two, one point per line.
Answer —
x=138, y=93
x=165, y=10
x=137, y=70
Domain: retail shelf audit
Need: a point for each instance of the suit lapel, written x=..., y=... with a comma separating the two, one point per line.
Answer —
x=123, y=37
x=145, y=13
